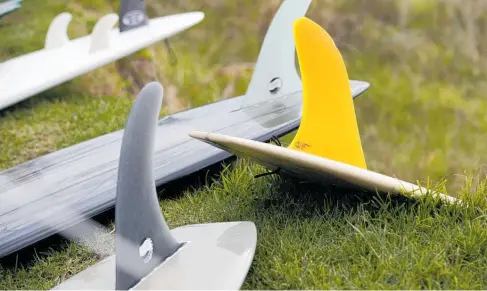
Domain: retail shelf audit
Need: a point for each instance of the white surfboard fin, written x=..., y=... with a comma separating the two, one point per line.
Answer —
x=148, y=254
x=57, y=34
x=275, y=73
x=102, y=32
x=133, y=14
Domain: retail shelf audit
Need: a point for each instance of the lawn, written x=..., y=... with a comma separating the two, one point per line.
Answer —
x=424, y=119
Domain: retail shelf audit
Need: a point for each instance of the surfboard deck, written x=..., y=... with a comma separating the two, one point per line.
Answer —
x=313, y=168
x=83, y=176
x=50, y=67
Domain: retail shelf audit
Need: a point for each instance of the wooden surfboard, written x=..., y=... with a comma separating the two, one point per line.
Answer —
x=327, y=146
x=311, y=167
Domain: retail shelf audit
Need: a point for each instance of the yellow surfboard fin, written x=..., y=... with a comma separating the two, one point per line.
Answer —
x=328, y=125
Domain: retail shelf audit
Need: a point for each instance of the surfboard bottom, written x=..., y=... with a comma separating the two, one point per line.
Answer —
x=314, y=168
x=215, y=256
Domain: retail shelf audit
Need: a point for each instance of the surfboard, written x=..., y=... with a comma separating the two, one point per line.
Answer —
x=313, y=168
x=9, y=6
x=327, y=146
x=147, y=254
x=34, y=195
x=63, y=59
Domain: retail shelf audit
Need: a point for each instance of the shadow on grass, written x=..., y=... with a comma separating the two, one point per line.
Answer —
x=307, y=199
x=50, y=95
x=297, y=199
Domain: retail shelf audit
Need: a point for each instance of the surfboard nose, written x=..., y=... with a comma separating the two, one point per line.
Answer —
x=198, y=134
x=358, y=87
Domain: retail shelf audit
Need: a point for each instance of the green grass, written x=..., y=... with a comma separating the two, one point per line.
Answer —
x=315, y=238
x=422, y=120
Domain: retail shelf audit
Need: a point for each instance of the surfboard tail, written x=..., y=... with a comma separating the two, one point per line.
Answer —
x=328, y=126
x=132, y=14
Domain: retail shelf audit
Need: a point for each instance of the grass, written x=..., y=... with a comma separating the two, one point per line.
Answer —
x=311, y=238
x=422, y=120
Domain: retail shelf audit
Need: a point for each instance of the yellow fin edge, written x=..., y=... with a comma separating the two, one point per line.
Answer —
x=328, y=126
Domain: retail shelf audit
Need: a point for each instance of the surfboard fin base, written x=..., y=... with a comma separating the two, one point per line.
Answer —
x=328, y=126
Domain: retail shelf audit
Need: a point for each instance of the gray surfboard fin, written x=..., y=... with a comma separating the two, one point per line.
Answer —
x=275, y=74
x=148, y=255
x=138, y=217
x=133, y=14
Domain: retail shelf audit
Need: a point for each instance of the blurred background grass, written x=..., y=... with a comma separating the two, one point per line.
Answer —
x=424, y=116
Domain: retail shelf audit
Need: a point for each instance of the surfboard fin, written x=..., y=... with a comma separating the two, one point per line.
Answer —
x=57, y=34
x=138, y=217
x=275, y=74
x=328, y=125
x=133, y=14
x=101, y=35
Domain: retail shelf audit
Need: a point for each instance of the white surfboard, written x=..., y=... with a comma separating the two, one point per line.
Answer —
x=63, y=59
x=327, y=146
x=9, y=6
